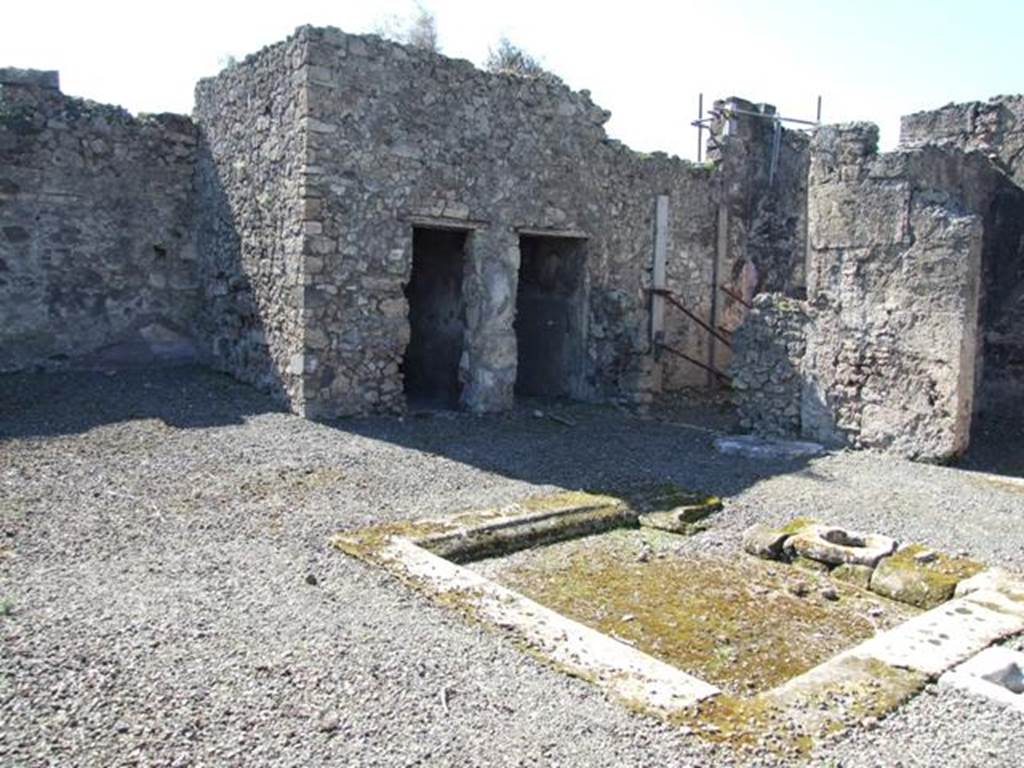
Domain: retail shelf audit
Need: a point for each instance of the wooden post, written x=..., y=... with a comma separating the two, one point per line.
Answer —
x=700, y=127
x=719, y=262
x=658, y=271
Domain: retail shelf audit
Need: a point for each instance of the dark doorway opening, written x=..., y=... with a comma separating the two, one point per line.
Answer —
x=437, y=318
x=997, y=426
x=550, y=317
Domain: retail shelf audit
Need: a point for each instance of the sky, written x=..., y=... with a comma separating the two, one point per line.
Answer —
x=645, y=61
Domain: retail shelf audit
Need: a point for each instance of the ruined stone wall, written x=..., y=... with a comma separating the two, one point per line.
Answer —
x=768, y=352
x=996, y=129
x=894, y=275
x=761, y=185
x=690, y=276
x=399, y=137
x=97, y=263
x=250, y=222
x=763, y=182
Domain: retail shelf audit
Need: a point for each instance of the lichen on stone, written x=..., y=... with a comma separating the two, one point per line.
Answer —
x=735, y=623
x=903, y=577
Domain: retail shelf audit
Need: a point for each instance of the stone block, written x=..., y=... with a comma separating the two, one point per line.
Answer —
x=811, y=565
x=857, y=575
x=755, y=447
x=764, y=541
x=995, y=580
x=33, y=78
x=855, y=216
x=835, y=546
x=903, y=577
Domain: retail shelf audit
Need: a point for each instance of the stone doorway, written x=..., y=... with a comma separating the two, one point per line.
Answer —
x=550, y=317
x=437, y=318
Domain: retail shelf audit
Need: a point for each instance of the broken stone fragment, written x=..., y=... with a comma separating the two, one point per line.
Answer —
x=904, y=578
x=857, y=575
x=756, y=447
x=687, y=517
x=672, y=522
x=835, y=546
x=764, y=541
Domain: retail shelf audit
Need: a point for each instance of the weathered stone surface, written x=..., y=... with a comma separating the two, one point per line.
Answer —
x=835, y=546
x=851, y=573
x=686, y=512
x=996, y=130
x=996, y=674
x=893, y=284
x=251, y=171
x=764, y=541
x=895, y=335
x=33, y=78
x=768, y=350
x=994, y=580
x=938, y=639
x=97, y=262
x=901, y=577
x=363, y=147
x=320, y=154
x=755, y=447
x=762, y=221
x=809, y=564
x=672, y=522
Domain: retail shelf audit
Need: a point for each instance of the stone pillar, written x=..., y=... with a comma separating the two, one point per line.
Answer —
x=488, y=366
x=893, y=284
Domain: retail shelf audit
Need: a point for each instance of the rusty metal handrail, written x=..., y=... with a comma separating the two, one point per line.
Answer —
x=735, y=296
x=671, y=298
x=694, y=361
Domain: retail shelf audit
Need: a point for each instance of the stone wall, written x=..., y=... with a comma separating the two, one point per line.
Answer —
x=97, y=261
x=996, y=129
x=399, y=138
x=761, y=187
x=894, y=275
x=317, y=160
x=768, y=352
x=251, y=214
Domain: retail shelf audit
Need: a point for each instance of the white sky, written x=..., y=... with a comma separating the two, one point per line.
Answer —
x=645, y=61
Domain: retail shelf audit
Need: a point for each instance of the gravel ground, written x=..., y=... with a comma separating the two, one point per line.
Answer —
x=159, y=532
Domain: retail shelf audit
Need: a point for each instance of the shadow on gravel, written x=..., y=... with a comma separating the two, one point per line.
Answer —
x=570, y=445
x=50, y=404
x=588, y=447
x=997, y=443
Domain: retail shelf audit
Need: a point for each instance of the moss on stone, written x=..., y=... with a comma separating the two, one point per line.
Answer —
x=851, y=573
x=732, y=622
x=366, y=543
x=902, y=577
x=810, y=565
x=797, y=524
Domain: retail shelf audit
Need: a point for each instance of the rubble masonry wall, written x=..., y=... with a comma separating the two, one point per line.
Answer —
x=398, y=137
x=894, y=276
x=97, y=260
x=250, y=228
x=996, y=129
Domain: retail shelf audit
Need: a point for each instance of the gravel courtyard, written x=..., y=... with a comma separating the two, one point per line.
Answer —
x=169, y=596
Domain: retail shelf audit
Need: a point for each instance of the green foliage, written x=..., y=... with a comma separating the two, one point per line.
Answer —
x=419, y=31
x=508, y=58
